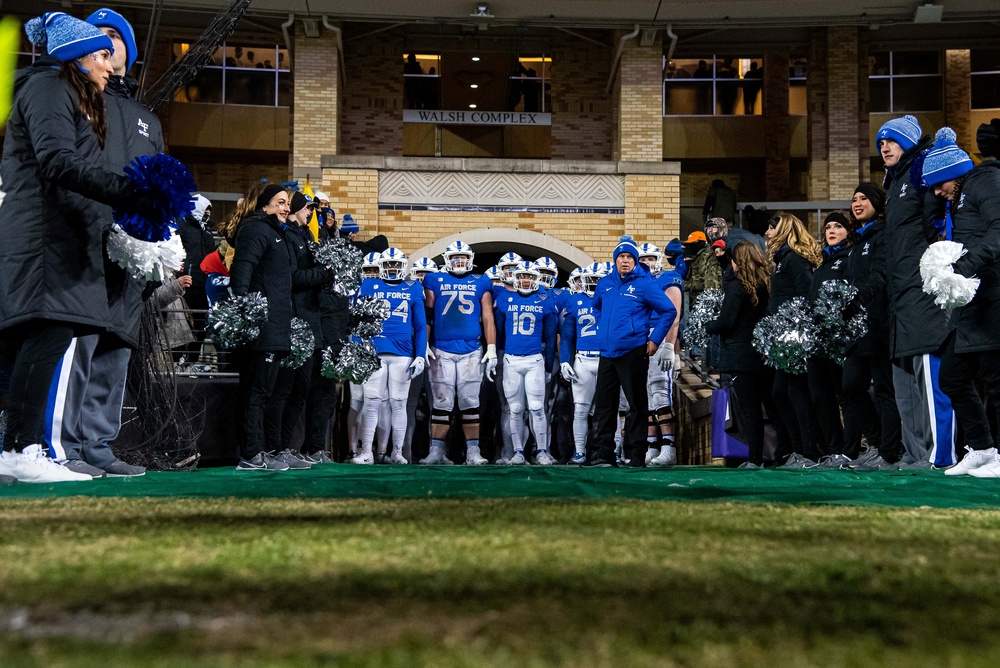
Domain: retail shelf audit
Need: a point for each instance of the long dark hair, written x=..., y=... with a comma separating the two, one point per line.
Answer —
x=90, y=97
x=751, y=268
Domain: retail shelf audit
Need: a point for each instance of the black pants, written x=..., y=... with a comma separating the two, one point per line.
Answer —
x=957, y=379
x=825, y=385
x=791, y=397
x=747, y=387
x=258, y=373
x=285, y=405
x=321, y=407
x=614, y=374
x=36, y=348
x=879, y=420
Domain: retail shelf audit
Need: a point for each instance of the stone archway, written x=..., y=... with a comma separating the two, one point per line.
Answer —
x=490, y=240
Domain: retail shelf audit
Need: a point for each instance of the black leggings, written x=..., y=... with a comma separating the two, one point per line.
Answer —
x=825, y=392
x=957, y=380
x=747, y=387
x=791, y=396
x=36, y=348
x=879, y=420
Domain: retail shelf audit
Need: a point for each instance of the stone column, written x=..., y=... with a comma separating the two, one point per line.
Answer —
x=777, y=127
x=958, y=97
x=315, y=117
x=639, y=131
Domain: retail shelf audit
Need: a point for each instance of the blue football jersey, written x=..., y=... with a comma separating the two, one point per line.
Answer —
x=499, y=291
x=404, y=332
x=579, y=328
x=457, y=310
x=529, y=322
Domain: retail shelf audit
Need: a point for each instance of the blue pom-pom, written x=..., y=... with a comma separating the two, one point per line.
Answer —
x=35, y=30
x=945, y=134
x=626, y=238
x=168, y=185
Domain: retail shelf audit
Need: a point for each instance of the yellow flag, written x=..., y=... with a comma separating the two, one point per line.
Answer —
x=10, y=43
x=314, y=220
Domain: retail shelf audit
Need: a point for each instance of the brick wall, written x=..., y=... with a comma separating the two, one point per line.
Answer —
x=640, y=103
x=372, y=120
x=581, y=113
x=652, y=207
x=777, y=128
x=816, y=95
x=315, y=117
x=957, y=98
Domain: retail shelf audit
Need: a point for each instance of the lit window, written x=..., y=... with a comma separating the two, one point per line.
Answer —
x=713, y=86
x=246, y=74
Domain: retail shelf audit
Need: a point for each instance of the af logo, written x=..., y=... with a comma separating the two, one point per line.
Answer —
x=143, y=128
x=961, y=201
x=902, y=191
x=102, y=15
x=864, y=251
x=836, y=265
x=631, y=289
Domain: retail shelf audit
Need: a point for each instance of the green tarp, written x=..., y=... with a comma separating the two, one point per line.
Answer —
x=687, y=483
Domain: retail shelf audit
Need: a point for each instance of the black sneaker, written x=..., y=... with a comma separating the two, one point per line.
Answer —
x=600, y=463
x=294, y=459
x=262, y=461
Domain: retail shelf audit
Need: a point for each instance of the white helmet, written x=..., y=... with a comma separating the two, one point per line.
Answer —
x=495, y=275
x=392, y=265
x=575, y=281
x=605, y=268
x=548, y=270
x=369, y=265
x=421, y=266
x=652, y=257
x=458, y=258
x=589, y=276
x=526, y=277
x=507, y=262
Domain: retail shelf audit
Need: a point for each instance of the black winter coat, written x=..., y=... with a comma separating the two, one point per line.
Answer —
x=133, y=130
x=737, y=318
x=307, y=281
x=976, y=217
x=917, y=325
x=264, y=262
x=198, y=242
x=792, y=277
x=866, y=270
x=833, y=268
x=52, y=221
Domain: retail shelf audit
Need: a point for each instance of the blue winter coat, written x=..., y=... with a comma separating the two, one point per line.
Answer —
x=625, y=308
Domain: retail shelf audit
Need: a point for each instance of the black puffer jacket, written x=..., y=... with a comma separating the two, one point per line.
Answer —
x=737, y=318
x=792, y=277
x=52, y=221
x=917, y=325
x=977, y=227
x=198, y=242
x=264, y=262
x=866, y=270
x=133, y=130
x=834, y=268
x=307, y=281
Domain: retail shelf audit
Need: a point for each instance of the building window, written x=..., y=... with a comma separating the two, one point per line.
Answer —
x=905, y=81
x=985, y=66
x=530, y=84
x=483, y=80
x=422, y=81
x=798, y=100
x=713, y=86
x=247, y=74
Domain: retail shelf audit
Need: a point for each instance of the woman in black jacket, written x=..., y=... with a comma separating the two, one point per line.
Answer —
x=824, y=374
x=52, y=285
x=745, y=283
x=794, y=254
x=868, y=362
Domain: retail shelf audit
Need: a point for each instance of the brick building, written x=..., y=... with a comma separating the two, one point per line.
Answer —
x=558, y=133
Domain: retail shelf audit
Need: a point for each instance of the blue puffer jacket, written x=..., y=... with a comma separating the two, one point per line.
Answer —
x=624, y=308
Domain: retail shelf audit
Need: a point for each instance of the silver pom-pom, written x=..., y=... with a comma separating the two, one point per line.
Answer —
x=145, y=260
x=344, y=259
x=356, y=362
x=367, y=316
x=706, y=308
x=787, y=339
x=303, y=342
x=237, y=321
x=835, y=334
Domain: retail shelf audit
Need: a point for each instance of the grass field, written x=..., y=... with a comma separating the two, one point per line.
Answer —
x=487, y=582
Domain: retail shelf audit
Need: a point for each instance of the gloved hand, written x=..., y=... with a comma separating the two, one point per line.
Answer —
x=568, y=374
x=416, y=367
x=431, y=355
x=490, y=360
x=667, y=359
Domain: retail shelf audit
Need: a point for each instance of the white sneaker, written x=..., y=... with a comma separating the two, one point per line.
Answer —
x=474, y=458
x=988, y=471
x=436, y=456
x=517, y=459
x=34, y=465
x=973, y=460
x=579, y=459
x=667, y=457
x=543, y=458
x=501, y=462
x=397, y=458
x=362, y=458
x=651, y=454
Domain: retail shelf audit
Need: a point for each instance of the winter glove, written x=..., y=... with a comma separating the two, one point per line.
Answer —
x=490, y=360
x=416, y=367
x=568, y=374
x=431, y=355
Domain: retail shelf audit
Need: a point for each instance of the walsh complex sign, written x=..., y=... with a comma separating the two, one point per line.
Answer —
x=476, y=117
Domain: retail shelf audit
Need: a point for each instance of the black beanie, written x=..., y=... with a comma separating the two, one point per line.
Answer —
x=270, y=191
x=838, y=217
x=988, y=138
x=875, y=195
x=298, y=201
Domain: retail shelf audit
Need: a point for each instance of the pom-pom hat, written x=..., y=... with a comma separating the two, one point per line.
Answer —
x=626, y=245
x=66, y=38
x=348, y=226
x=904, y=131
x=108, y=18
x=946, y=161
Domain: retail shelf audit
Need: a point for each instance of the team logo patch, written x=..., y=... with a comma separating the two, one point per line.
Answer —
x=143, y=128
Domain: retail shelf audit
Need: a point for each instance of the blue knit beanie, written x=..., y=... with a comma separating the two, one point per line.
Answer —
x=904, y=131
x=348, y=226
x=109, y=18
x=946, y=161
x=626, y=245
x=65, y=37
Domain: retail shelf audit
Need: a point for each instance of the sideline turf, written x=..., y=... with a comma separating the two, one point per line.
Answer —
x=689, y=483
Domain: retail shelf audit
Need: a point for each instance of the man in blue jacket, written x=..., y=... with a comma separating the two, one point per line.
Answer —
x=625, y=303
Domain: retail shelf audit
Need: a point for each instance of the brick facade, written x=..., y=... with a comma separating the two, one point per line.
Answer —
x=582, y=112
x=652, y=207
x=315, y=118
x=957, y=97
x=372, y=114
x=639, y=101
x=777, y=127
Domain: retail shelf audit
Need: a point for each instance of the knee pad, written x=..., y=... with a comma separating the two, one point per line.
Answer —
x=397, y=405
x=440, y=417
x=470, y=416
